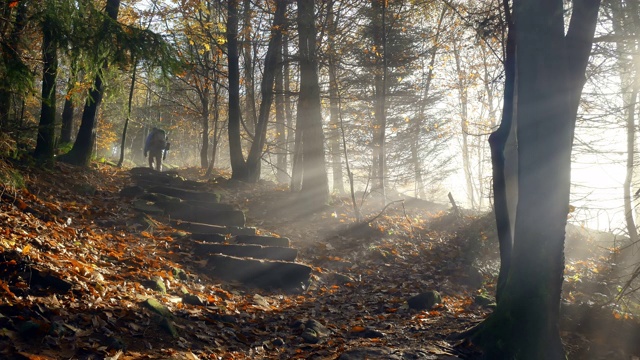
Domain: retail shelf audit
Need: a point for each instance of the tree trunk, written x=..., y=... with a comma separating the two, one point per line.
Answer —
x=281, y=131
x=627, y=25
x=632, y=230
x=11, y=57
x=204, y=150
x=334, y=122
x=82, y=149
x=126, y=121
x=418, y=124
x=550, y=71
x=293, y=137
x=315, y=185
x=247, y=48
x=497, y=143
x=380, y=74
x=464, y=124
x=268, y=80
x=238, y=166
x=45, y=144
x=216, y=127
x=67, y=112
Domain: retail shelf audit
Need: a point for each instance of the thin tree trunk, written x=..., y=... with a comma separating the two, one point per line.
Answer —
x=268, y=81
x=334, y=94
x=216, y=127
x=296, y=152
x=464, y=125
x=417, y=126
x=247, y=48
x=281, y=139
x=204, y=150
x=497, y=143
x=625, y=22
x=129, y=102
x=379, y=40
x=632, y=230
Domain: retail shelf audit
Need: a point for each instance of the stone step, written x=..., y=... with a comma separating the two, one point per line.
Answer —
x=194, y=227
x=263, y=240
x=252, y=251
x=259, y=273
x=184, y=194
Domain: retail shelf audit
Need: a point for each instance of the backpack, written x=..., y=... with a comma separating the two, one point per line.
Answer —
x=158, y=140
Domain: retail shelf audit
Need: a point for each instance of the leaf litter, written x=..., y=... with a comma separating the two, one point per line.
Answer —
x=76, y=261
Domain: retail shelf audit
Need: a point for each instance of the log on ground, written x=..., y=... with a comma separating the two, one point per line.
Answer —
x=259, y=273
x=252, y=251
x=263, y=240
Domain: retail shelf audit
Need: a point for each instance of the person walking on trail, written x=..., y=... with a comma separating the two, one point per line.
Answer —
x=156, y=147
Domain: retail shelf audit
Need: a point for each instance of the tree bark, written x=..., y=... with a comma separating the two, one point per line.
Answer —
x=238, y=165
x=292, y=135
x=624, y=26
x=82, y=149
x=45, y=144
x=268, y=80
x=550, y=70
x=281, y=131
x=67, y=112
x=129, y=102
x=204, y=150
x=464, y=124
x=315, y=185
x=11, y=58
x=380, y=73
x=247, y=48
x=497, y=143
x=334, y=121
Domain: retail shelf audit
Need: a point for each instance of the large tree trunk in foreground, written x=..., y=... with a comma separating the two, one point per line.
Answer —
x=550, y=71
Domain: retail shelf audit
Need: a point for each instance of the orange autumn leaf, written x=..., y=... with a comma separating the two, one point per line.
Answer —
x=146, y=234
x=357, y=329
x=21, y=205
x=25, y=250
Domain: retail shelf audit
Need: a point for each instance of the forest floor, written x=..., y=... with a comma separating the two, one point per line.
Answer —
x=75, y=259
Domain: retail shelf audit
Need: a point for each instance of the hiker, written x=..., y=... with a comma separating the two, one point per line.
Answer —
x=156, y=146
